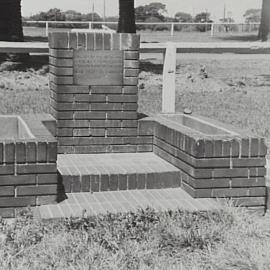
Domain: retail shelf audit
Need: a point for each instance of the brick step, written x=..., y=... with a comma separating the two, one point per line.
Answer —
x=268, y=193
x=86, y=203
x=118, y=171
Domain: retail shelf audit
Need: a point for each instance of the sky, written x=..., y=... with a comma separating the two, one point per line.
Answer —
x=216, y=7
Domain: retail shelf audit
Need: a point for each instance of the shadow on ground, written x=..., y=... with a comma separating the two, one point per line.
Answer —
x=35, y=39
x=244, y=38
x=36, y=62
x=148, y=66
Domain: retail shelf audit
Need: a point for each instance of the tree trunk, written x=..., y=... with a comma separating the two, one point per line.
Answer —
x=264, y=32
x=126, y=23
x=11, y=20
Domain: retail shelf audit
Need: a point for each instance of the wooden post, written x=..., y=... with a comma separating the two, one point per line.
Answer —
x=47, y=29
x=172, y=29
x=212, y=29
x=169, y=70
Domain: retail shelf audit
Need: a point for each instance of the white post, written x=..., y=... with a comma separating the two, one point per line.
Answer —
x=90, y=25
x=172, y=29
x=47, y=29
x=212, y=29
x=169, y=70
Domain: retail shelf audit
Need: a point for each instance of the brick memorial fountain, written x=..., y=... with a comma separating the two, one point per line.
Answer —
x=105, y=145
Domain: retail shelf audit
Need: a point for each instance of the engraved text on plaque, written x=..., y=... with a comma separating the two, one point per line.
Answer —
x=98, y=67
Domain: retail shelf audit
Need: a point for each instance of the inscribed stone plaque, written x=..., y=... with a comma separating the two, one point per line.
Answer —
x=98, y=67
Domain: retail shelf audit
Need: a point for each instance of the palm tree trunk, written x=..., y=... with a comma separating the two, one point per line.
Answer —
x=126, y=23
x=11, y=20
x=264, y=32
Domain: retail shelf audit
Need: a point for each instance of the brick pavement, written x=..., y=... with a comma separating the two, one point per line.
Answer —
x=91, y=204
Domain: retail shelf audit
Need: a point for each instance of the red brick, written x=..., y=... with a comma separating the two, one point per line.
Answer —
x=95, y=183
x=239, y=192
x=99, y=44
x=122, y=181
x=90, y=115
x=132, y=181
x=226, y=149
x=61, y=62
x=130, y=80
x=61, y=71
x=20, y=152
x=114, y=132
x=130, y=41
x=145, y=148
x=107, y=41
x=65, y=132
x=129, y=123
x=105, y=123
x=244, y=147
x=113, y=182
x=130, y=107
x=131, y=90
x=58, y=40
x=31, y=152
x=131, y=55
x=122, y=115
x=35, y=168
x=90, y=41
x=249, y=162
x=73, y=40
x=227, y=173
x=1, y=153
x=106, y=107
x=235, y=148
x=81, y=40
x=254, y=147
x=9, y=152
x=36, y=190
x=70, y=89
x=262, y=148
x=73, y=123
x=131, y=64
x=218, y=148
x=122, y=98
x=47, y=178
x=104, y=182
x=7, y=212
x=141, y=181
x=6, y=191
x=98, y=132
x=59, y=53
x=97, y=98
x=116, y=42
x=76, y=184
x=6, y=169
x=17, y=202
x=85, y=185
x=49, y=199
x=52, y=152
x=257, y=172
x=106, y=89
x=67, y=181
x=9, y=180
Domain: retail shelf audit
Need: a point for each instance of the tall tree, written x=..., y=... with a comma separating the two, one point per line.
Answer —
x=126, y=23
x=264, y=33
x=11, y=20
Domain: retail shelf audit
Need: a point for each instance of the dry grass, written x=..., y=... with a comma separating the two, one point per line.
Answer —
x=229, y=239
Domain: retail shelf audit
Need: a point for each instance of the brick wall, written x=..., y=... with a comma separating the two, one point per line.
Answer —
x=213, y=166
x=95, y=118
x=28, y=173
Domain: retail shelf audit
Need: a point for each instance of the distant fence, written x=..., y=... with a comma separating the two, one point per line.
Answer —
x=213, y=28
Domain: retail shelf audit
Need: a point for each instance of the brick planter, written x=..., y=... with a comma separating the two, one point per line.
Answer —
x=216, y=160
x=27, y=163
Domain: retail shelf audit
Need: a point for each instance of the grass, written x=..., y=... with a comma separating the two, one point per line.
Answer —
x=225, y=239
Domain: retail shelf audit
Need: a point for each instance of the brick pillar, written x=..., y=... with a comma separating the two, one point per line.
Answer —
x=94, y=93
